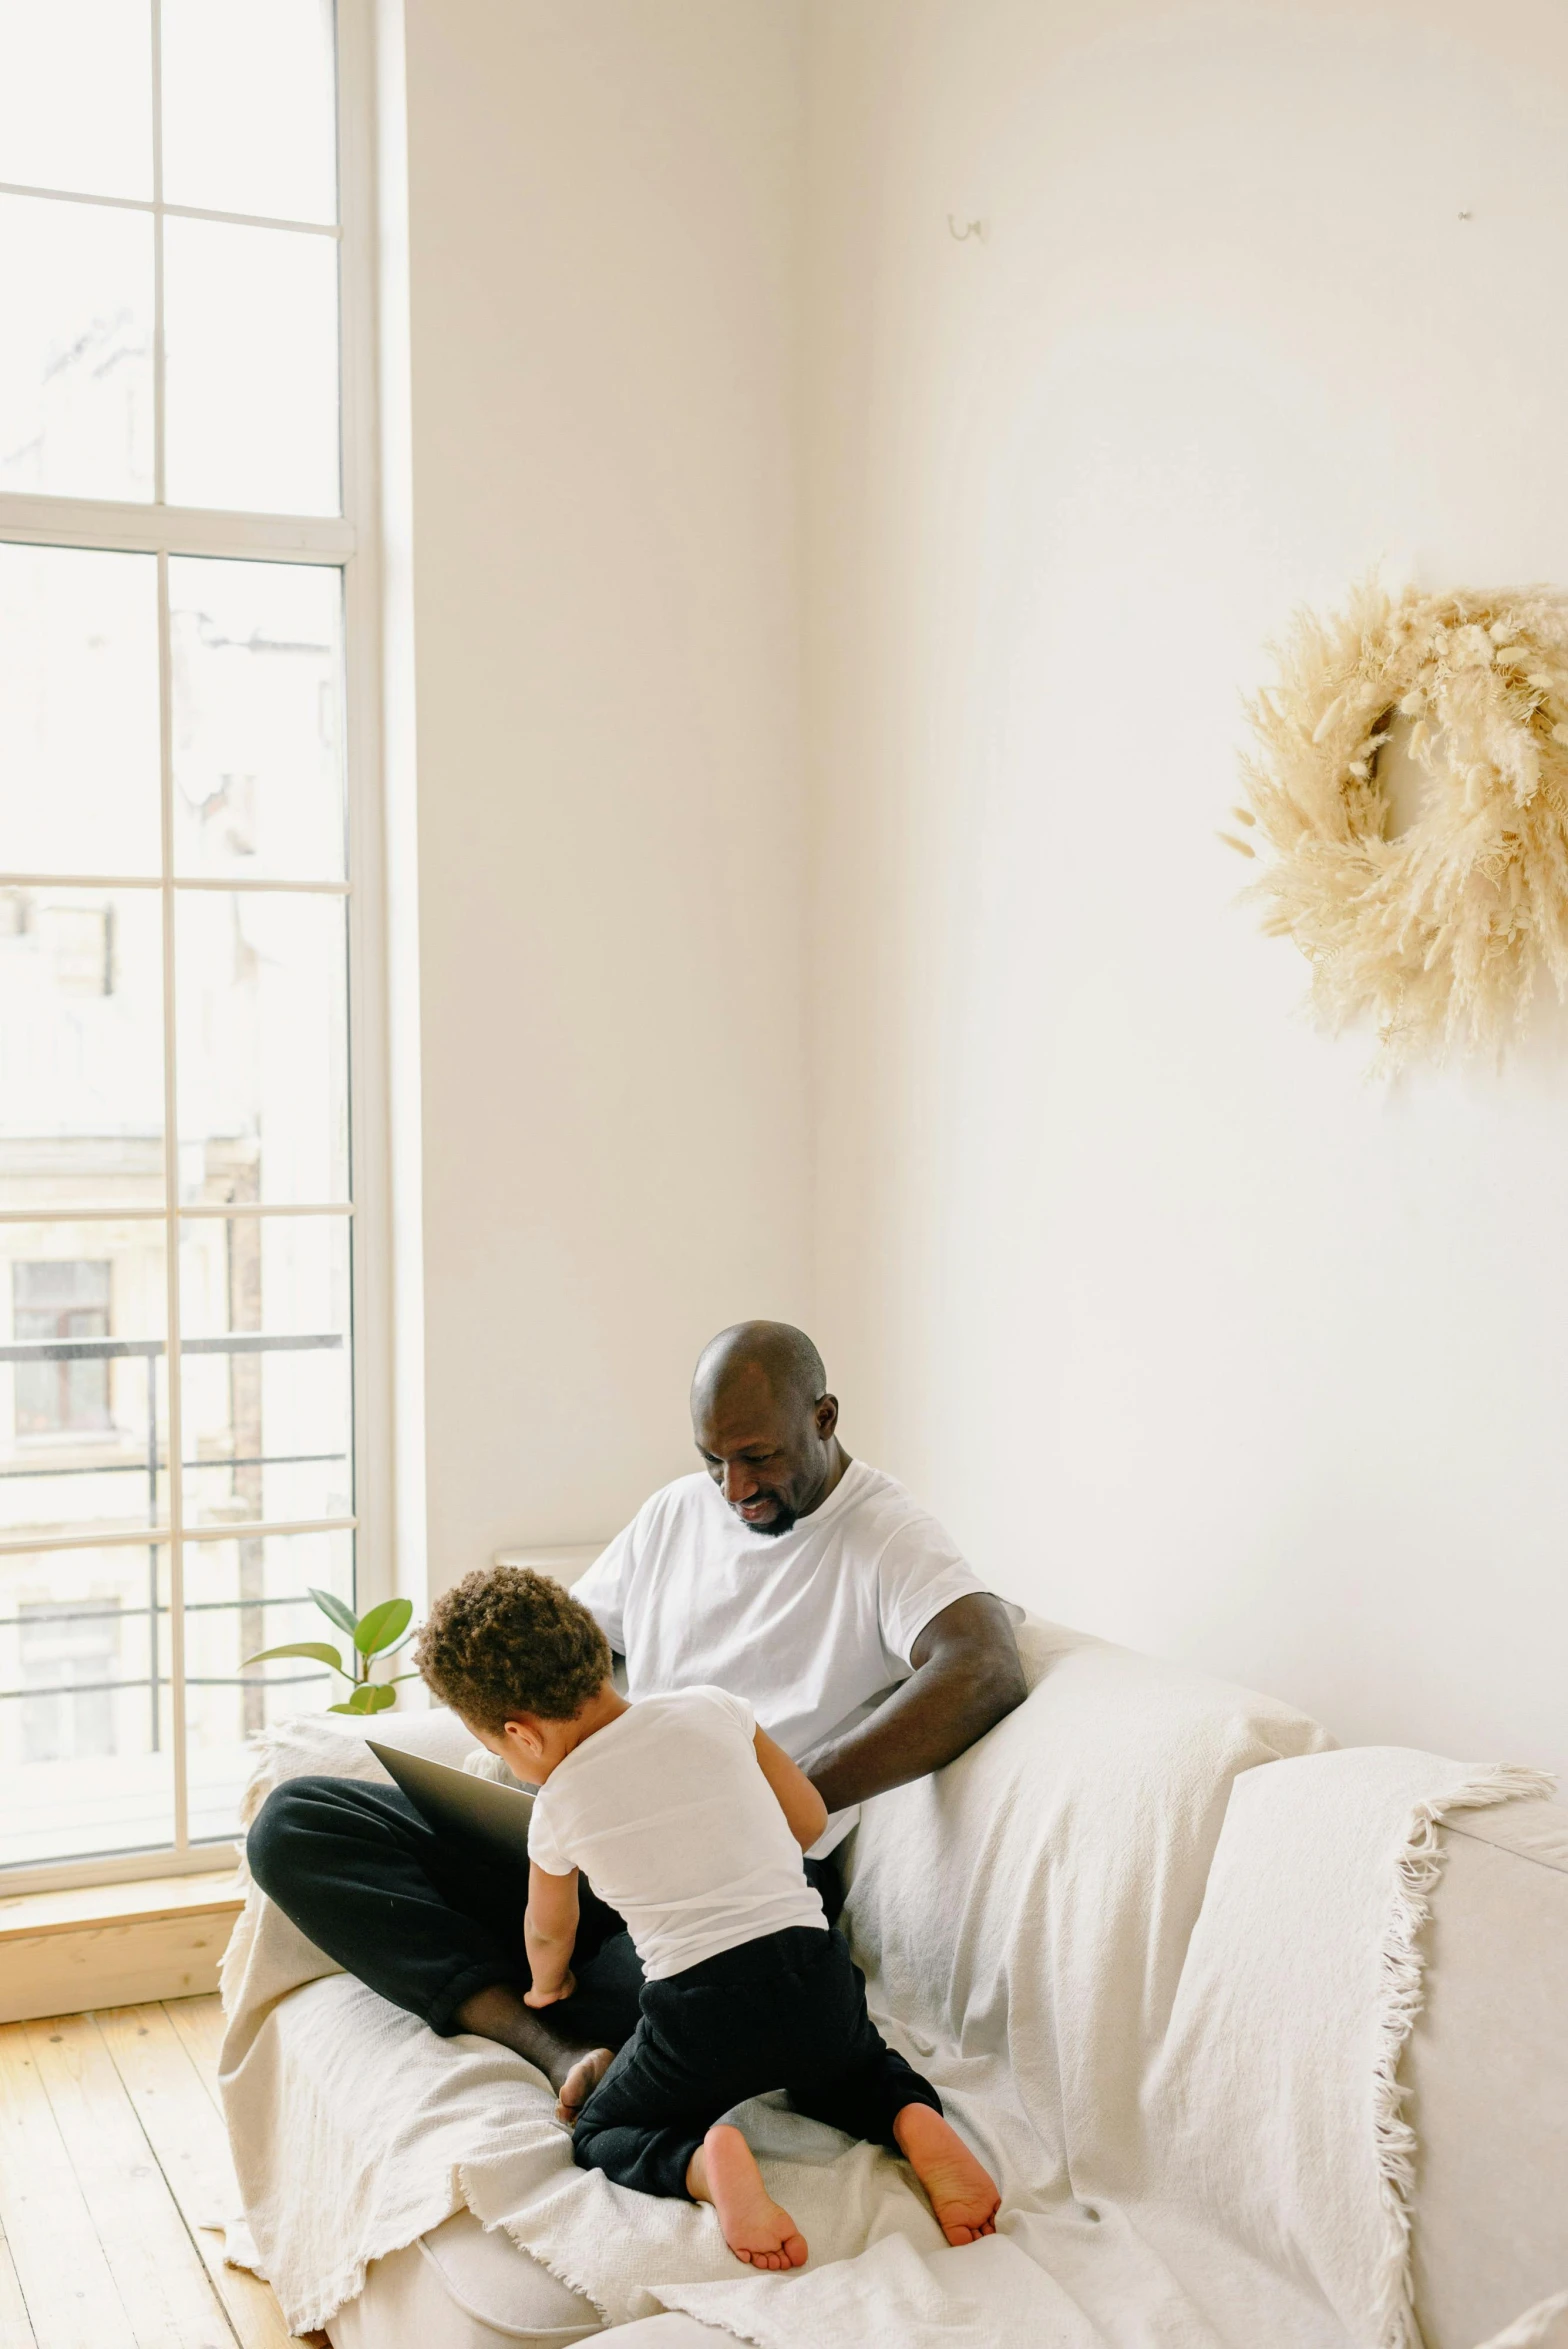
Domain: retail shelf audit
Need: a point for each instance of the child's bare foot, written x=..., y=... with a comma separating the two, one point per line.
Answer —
x=724, y=2171
x=961, y=2191
x=580, y=2083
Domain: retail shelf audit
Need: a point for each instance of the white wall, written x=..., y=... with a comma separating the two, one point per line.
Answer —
x=602, y=209
x=1197, y=1338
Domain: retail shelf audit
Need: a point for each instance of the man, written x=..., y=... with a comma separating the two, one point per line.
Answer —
x=784, y=1571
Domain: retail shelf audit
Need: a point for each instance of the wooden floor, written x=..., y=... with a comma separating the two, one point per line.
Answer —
x=114, y=2181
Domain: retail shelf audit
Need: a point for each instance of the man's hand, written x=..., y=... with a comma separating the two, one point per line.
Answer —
x=966, y=1677
x=540, y=1995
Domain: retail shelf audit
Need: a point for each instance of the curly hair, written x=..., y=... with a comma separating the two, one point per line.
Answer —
x=505, y=1641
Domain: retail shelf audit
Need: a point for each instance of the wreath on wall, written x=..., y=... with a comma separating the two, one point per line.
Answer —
x=1440, y=932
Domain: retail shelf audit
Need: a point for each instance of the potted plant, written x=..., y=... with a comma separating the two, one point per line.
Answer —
x=379, y=1632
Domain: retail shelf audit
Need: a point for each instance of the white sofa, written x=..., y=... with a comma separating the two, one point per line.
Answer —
x=1487, y=2067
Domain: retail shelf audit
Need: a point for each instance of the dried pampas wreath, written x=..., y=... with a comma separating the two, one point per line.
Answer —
x=1441, y=933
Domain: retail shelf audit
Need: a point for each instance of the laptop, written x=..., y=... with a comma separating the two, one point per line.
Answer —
x=456, y=1804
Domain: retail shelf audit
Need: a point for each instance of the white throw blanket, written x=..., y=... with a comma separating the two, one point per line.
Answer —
x=1170, y=2027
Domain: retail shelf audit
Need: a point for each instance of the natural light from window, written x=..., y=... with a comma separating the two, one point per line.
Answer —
x=176, y=1356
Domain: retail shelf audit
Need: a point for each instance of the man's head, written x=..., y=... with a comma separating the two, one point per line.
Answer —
x=764, y=1423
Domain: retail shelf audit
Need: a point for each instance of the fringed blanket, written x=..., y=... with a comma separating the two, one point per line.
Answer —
x=1154, y=1943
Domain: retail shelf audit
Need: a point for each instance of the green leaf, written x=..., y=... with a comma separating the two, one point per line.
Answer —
x=316, y=1649
x=383, y=1625
x=398, y=1679
x=368, y=1698
x=335, y=1611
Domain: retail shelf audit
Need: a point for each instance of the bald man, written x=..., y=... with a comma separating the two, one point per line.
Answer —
x=783, y=1571
x=807, y=1583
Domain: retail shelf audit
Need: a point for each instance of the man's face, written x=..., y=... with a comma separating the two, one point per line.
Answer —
x=771, y=1456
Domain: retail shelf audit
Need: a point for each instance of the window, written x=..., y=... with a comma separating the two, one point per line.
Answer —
x=55, y=1308
x=183, y=811
x=69, y=1656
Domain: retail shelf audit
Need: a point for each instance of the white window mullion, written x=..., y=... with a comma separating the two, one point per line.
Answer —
x=303, y=228
x=40, y=520
x=362, y=703
x=228, y=883
x=38, y=1545
x=111, y=1213
x=171, y=1198
x=171, y=1153
x=158, y=468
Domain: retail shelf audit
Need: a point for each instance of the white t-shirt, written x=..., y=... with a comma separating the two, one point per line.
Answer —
x=670, y=1818
x=812, y=1627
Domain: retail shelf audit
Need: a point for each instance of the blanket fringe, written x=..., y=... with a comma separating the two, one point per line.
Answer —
x=552, y=2265
x=1418, y=1870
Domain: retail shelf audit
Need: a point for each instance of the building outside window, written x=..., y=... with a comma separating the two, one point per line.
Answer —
x=54, y=1308
x=183, y=793
x=70, y=1661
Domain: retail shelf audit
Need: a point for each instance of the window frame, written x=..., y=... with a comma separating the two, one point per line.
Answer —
x=349, y=542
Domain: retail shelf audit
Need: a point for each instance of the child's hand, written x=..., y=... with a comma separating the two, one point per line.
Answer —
x=537, y=1996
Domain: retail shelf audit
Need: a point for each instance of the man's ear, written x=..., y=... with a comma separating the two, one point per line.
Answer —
x=826, y=1416
x=523, y=1731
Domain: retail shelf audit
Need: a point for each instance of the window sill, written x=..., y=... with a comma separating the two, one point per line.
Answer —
x=113, y=1944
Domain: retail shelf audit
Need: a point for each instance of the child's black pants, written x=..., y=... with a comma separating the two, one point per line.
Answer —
x=426, y=1920
x=786, y=2011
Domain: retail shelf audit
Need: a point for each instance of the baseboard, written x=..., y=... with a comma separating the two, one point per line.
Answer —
x=113, y=1945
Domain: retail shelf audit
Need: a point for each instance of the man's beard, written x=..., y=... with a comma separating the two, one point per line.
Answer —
x=777, y=1524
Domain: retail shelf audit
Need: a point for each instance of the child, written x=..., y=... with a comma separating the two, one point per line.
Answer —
x=691, y=1823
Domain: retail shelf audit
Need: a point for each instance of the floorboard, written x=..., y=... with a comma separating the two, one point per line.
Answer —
x=16, y=2327
x=71, y=2298
x=185, y=2132
x=157, y=2269
x=114, y=2183
x=199, y=2024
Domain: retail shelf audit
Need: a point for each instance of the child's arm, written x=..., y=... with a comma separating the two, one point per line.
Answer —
x=549, y=1930
x=799, y=1800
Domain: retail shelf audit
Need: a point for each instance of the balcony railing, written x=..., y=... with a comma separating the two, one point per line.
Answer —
x=152, y=1466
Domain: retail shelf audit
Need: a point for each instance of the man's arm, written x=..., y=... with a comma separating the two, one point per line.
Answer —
x=966, y=1677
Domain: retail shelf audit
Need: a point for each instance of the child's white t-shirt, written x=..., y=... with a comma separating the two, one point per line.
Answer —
x=668, y=1815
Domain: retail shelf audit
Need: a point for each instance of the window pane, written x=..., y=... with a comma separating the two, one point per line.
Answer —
x=248, y=105
x=263, y=1047
x=266, y=1369
x=83, y=1434
x=81, y=1048
x=76, y=95
x=78, y=711
x=251, y=327
x=258, y=719
x=241, y=1596
x=84, y=1740
x=76, y=353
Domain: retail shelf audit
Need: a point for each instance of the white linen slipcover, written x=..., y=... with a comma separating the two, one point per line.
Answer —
x=1029, y=1918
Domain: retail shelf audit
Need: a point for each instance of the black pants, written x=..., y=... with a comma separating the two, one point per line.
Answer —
x=427, y=1921
x=787, y=2011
